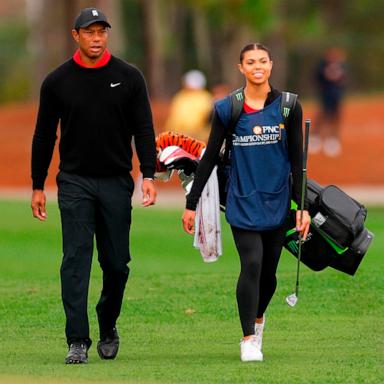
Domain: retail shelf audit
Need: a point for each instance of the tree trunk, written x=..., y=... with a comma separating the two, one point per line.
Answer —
x=47, y=39
x=202, y=41
x=175, y=52
x=234, y=38
x=153, y=36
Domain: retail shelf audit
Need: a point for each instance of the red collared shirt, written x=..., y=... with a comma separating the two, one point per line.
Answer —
x=249, y=109
x=104, y=59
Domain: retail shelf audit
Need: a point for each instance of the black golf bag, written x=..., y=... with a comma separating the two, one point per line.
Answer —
x=337, y=236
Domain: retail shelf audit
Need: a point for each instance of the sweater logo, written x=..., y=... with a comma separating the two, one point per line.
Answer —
x=113, y=85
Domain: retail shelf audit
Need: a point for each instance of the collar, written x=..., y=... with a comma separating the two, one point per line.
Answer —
x=103, y=61
x=272, y=95
x=248, y=109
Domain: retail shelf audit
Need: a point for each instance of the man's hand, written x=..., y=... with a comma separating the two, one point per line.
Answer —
x=38, y=204
x=189, y=221
x=303, y=226
x=149, y=193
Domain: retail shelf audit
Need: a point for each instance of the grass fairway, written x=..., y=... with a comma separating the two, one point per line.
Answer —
x=179, y=322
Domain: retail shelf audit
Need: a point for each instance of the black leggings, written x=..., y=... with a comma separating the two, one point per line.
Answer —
x=259, y=256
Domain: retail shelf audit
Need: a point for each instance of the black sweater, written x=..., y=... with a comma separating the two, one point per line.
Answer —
x=216, y=139
x=100, y=110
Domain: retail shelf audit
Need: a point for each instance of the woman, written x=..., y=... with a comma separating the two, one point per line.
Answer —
x=263, y=156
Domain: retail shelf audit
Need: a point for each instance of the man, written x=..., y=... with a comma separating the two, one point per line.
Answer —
x=191, y=107
x=101, y=103
x=330, y=78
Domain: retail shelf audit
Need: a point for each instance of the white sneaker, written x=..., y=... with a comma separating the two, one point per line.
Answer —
x=250, y=351
x=259, y=328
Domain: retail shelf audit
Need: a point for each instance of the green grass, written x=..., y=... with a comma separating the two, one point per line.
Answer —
x=179, y=322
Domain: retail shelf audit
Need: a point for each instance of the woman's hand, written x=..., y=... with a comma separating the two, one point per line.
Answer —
x=189, y=221
x=302, y=224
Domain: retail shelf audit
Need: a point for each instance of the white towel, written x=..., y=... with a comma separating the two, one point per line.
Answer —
x=207, y=222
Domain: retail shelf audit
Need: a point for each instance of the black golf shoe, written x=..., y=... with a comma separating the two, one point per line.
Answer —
x=108, y=345
x=77, y=354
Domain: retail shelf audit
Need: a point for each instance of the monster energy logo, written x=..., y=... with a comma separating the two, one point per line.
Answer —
x=293, y=246
x=239, y=96
x=286, y=111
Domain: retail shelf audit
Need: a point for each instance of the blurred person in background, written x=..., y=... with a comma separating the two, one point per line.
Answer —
x=191, y=107
x=258, y=188
x=330, y=78
x=101, y=103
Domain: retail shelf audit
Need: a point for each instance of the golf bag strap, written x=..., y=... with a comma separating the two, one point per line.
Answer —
x=288, y=102
x=237, y=105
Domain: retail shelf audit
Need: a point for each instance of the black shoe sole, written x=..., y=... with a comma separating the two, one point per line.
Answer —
x=76, y=362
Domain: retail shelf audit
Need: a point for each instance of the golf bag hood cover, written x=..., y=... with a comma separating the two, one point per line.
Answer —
x=177, y=151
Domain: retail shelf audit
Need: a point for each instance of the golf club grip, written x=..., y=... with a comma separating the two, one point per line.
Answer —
x=306, y=141
x=304, y=174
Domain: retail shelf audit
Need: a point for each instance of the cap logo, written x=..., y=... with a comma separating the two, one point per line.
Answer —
x=94, y=12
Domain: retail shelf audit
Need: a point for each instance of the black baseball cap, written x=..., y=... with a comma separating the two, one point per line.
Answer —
x=89, y=16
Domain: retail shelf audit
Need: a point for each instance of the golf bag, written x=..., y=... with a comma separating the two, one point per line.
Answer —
x=337, y=236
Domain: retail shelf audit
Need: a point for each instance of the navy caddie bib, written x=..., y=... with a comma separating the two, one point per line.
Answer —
x=259, y=183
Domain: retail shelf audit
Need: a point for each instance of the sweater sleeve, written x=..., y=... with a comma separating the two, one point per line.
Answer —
x=44, y=137
x=208, y=161
x=295, y=150
x=144, y=134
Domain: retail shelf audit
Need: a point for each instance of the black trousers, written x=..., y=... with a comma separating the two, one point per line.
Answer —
x=91, y=208
x=259, y=256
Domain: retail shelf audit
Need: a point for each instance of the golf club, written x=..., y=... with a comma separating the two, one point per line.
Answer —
x=292, y=299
